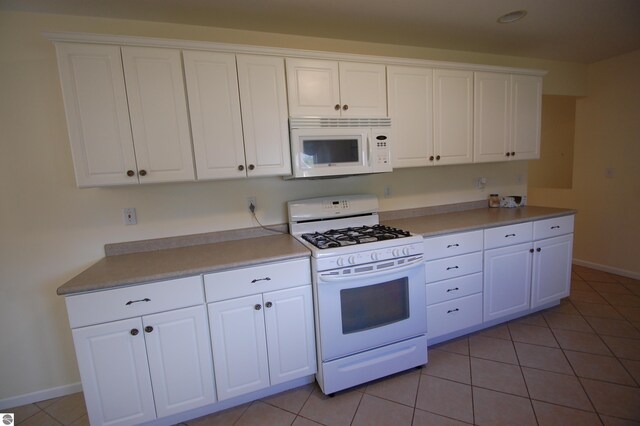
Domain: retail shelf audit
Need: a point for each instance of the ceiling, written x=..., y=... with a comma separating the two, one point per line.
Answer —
x=583, y=31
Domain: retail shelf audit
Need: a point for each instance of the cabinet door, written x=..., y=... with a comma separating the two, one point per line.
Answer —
x=492, y=115
x=551, y=269
x=290, y=334
x=115, y=375
x=239, y=346
x=214, y=110
x=179, y=353
x=363, y=90
x=158, y=109
x=95, y=102
x=313, y=87
x=411, y=111
x=526, y=98
x=453, y=116
x=263, y=97
x=507, y=280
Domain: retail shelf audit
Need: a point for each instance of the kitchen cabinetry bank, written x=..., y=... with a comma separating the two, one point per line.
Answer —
x=142, y=110
x=174, y=334
x=496, y=265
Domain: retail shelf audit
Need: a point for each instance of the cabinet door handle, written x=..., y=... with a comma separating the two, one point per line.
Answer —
x=452, y=267
x=538, y=249
x=251, y=167
x=453, y=245
x=268, y=304
x=431, y=158
x=513, y=154
x=257, y=307
x=530, y=250
x=241, y=167
x=510, y=235
x=450, y=311
x=555, y=227
x=131, y=302
x=142, y=172
x=337, y=107
x=130, y=173
x=452, y=289
x=148, y=329
x=345, y=107
x=134, y=332
x=437, y=158
x=255, y=280
x=508, y=154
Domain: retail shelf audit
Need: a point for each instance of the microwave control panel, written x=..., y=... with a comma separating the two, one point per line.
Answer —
x=381, y=147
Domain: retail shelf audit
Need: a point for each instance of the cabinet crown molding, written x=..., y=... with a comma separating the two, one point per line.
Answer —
x=71, y=37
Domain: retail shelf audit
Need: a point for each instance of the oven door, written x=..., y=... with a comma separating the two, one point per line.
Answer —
x=357, y=313
x=329, y=151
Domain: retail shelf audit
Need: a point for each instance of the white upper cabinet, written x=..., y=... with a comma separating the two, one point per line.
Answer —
x=214, y=108
x=333, y=89
x=507, y=117
x=127, y=114
x=238, y=114
x=263, y=99
x=453, y=116
x=158, y=109
x=411, y=112
x=95, y=102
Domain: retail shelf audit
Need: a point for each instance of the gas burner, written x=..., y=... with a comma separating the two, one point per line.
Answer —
x=354, y=235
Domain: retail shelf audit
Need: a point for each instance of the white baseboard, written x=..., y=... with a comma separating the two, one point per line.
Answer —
x=610, y=269
x=42, y=395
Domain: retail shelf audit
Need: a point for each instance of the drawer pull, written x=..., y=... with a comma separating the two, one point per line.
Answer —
x=260, y=279
x=450, y=311
x=510, y=235
x=257, y=307
x=555, y=227
x=131, y=302
x=148, y=329
x=453, y=245
x=134, y=332
x=452, y=289
x=452, y=267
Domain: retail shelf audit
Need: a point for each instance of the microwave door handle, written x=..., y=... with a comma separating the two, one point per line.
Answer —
x=369, y=149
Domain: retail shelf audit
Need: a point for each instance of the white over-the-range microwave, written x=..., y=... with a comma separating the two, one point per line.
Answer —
x=324, y=147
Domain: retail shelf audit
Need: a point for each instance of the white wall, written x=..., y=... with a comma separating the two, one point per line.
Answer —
x=50, y=230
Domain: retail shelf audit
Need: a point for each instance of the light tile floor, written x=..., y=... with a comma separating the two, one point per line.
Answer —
x=577, y=363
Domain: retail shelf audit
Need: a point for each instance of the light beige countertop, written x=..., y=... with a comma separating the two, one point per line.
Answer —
x=160, y=260
x=469, y=220
x=127, y=269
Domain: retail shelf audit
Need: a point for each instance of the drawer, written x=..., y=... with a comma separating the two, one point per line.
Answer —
x=548, y=228
x=454, y=315
x=109, y=305
x=257, y=279
x=452, y=244
x=453, y=288
x=508, y=235
x=451, y=267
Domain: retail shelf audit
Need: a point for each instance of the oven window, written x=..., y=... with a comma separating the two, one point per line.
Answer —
x=372, y=306
x=326, y=151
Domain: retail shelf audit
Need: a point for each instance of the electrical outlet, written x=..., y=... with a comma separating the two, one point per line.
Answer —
x=481, y=182
x=387, y=192
x=251, y=201
x=129, y=216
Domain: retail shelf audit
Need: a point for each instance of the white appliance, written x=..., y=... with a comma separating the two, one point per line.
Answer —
x=322, y=147
x=369, y=290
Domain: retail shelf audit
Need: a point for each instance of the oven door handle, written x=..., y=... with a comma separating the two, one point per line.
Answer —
x=380, y=272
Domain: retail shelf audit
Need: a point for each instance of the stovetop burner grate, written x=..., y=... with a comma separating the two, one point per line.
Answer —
x=356, y=235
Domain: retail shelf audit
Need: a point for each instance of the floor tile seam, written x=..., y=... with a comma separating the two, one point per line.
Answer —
x=394, y=401
x=635, y=388
x=609, y=381
x=445, y=378
x=566, y=406
x=528, y=396
x=62, y=422
x=447, y=417
x=12, y=410
x=539, y=344
x=243, y=411
x=495, y=360
x=311, y=420
x=353, y=417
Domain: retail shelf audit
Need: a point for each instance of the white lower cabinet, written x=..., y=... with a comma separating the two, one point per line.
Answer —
x=551, y=269
x=262, y=340
x=137, y=369
x=262, y=329
x=454, y=283
x=507, y=280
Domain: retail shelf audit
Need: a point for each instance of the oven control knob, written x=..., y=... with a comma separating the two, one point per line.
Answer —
x=405, y=251
x=352, y=260
x=374, y=256
x=395, y=252
x=340, y=261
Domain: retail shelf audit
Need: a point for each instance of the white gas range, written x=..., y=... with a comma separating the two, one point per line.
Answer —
x=369, y=290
